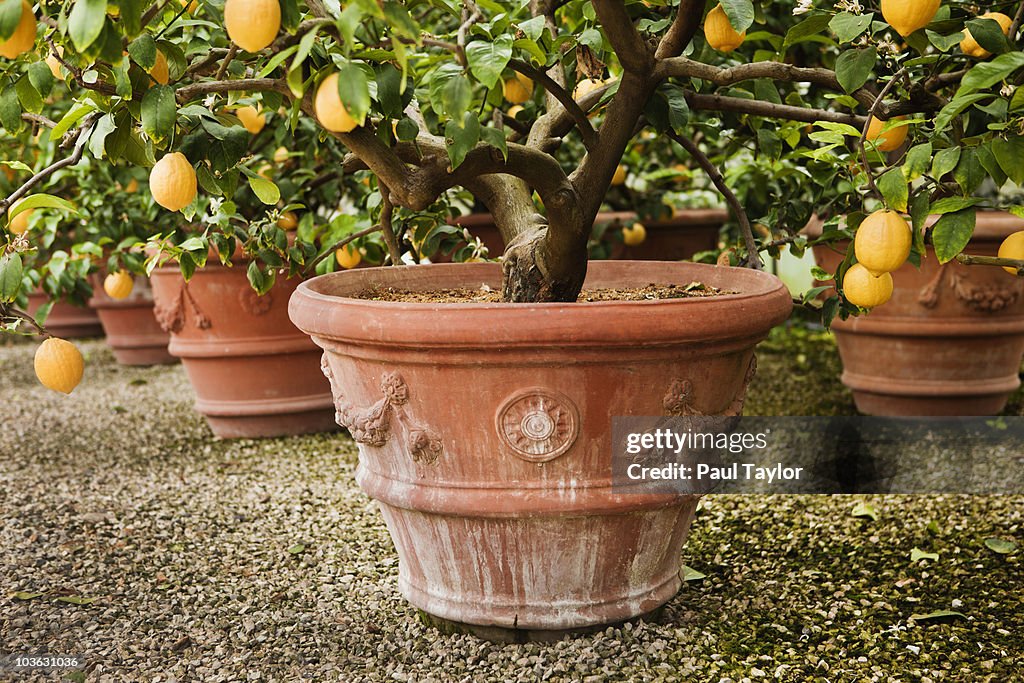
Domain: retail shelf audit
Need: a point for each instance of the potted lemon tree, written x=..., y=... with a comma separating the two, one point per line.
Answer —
x=481, y=394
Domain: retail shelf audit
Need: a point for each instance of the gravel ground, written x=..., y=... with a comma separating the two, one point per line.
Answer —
x=134, y=538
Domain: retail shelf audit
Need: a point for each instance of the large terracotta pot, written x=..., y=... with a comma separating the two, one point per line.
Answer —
x=253, y=372
x=484, y=430
x=133, y=333
x=950, y=340
x=67, y=321
x=675, y=239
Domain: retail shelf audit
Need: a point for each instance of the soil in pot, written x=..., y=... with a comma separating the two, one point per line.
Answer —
x=67, y=321
x=253, y=372
x=950, y=340
x=485, y=429
x=132, y=331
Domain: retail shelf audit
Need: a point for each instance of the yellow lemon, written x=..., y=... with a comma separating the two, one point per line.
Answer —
x=329, y=109
x=883, y=242
x=252, y=24
x=585, y=87
x=251, y=119
x=192, y=6
x=173, y=182
x=24, y=36
x=634, y=235
x=517, y=89
x=54, y=64
x=1013, y=248
x=132, y=186
x=889, y=140
x=281, y=155
x=160, y=72
x=969, y=46
x=59, y=365
x=719, y=32
x=118, y=285
x=863, y=289
x=907, y=16
x=288, y=221
x=514, y=111
x=619, y=177
x=19, y=224
x=348, y=256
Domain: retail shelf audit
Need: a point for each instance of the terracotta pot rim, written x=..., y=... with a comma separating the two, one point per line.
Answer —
x=681, y=218
x=323, y=307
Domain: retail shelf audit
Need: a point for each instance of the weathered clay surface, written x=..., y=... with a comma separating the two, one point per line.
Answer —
x=253, y=372
x=132, y=331
x=673, y=239
x=67, y=321
x=485, y=430
x=950, y=340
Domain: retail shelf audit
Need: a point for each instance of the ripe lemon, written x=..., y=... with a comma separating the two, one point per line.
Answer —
x=863, y=289
x=634, y=235
x=890, y=139
x=585, y=87
x=160, y=72
x=969, y=46
x=251, y=119
x=54, y=63
x=517, y=89
x=132, y=186
x=883, y=242
x=173, y=182
x=24, y=36
x=59, y=365
x=620, y=175
x=192, y=6
x=1012, y=247
x=907, y=16
x=348, y=256
x=252, y=24
x=281, y=155
x=288, y=221
x=118, y=285
x=719, y=32
x=19, y=224
x=330, y=111
x=514, y=111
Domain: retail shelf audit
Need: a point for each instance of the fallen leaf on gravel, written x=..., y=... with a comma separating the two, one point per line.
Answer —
x=918, y=554
x=998, y=545
x=691, y=574
x=938, y=614
x=22, y=595
x=77, y=600
x=297, y=548
x=865, y=510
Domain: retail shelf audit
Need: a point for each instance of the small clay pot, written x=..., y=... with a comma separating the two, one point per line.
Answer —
x=132, y=331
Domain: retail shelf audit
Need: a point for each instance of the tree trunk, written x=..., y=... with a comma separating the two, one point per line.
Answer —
x=528, y=275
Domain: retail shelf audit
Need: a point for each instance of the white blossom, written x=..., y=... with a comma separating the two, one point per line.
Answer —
x=803, y=7
x=1007, y=90
x=851, y=6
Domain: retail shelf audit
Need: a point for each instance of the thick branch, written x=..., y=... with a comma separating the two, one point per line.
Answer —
x=587, y=131
x=194, y=91
x=682, y=30
x=769, y=109
x=753, y=258
x=633, y=53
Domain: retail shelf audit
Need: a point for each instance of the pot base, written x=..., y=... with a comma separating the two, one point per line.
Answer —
x=267, y=426
x=144, y=356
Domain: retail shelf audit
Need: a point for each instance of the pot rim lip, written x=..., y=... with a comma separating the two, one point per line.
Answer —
x=307, y=290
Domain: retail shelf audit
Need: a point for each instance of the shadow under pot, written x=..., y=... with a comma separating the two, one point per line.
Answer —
x=950, y=340
x=130, y=324
x=254, y=374
x=485, y=431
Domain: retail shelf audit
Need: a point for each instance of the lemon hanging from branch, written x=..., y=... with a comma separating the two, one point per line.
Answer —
x=252, y=24
x=719, y=31
x=173, y=182
x=883, y=242
x=863, y=289
x=59, y=365
x=329, y=109
x=907, y=16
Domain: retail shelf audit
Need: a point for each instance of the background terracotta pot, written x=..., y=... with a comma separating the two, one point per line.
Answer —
x=950, y=340
x=675, y=239
x=132, y=331
x=67, y=321
x=253, y=372
x=485, y=430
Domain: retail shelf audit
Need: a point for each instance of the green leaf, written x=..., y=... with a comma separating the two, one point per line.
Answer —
x=917, y=554
x=10, y=16
x=854, y=67
x=952, y=204
x=952, y=232
x=1010, y=156
x=462, y=138
x=945, y=161
x=10, y=110
x=955, y=107
x=969, y=173
x=142, y=50
x=691, y=574
x=264, y=189
x=85, y=22
x=848, y=26
x=354, y=90
x=919, y=158
x=456, y=97
x=159, y=111
x=998, y=545
x=944, y=43
x=863, y=509
x=40, y=201
x=740, y=13
x=893, y=186
x=487, y=59
x=810, y=27
x=41, y=77
x=297, y=549
x=28, y=95
x=23, y=595
x=938, y=615
x=11, y=270
x=986, y=74
x=495, y=138
x=988, y=34
x=73, y=116
x=104, y=127
x=77, y=600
